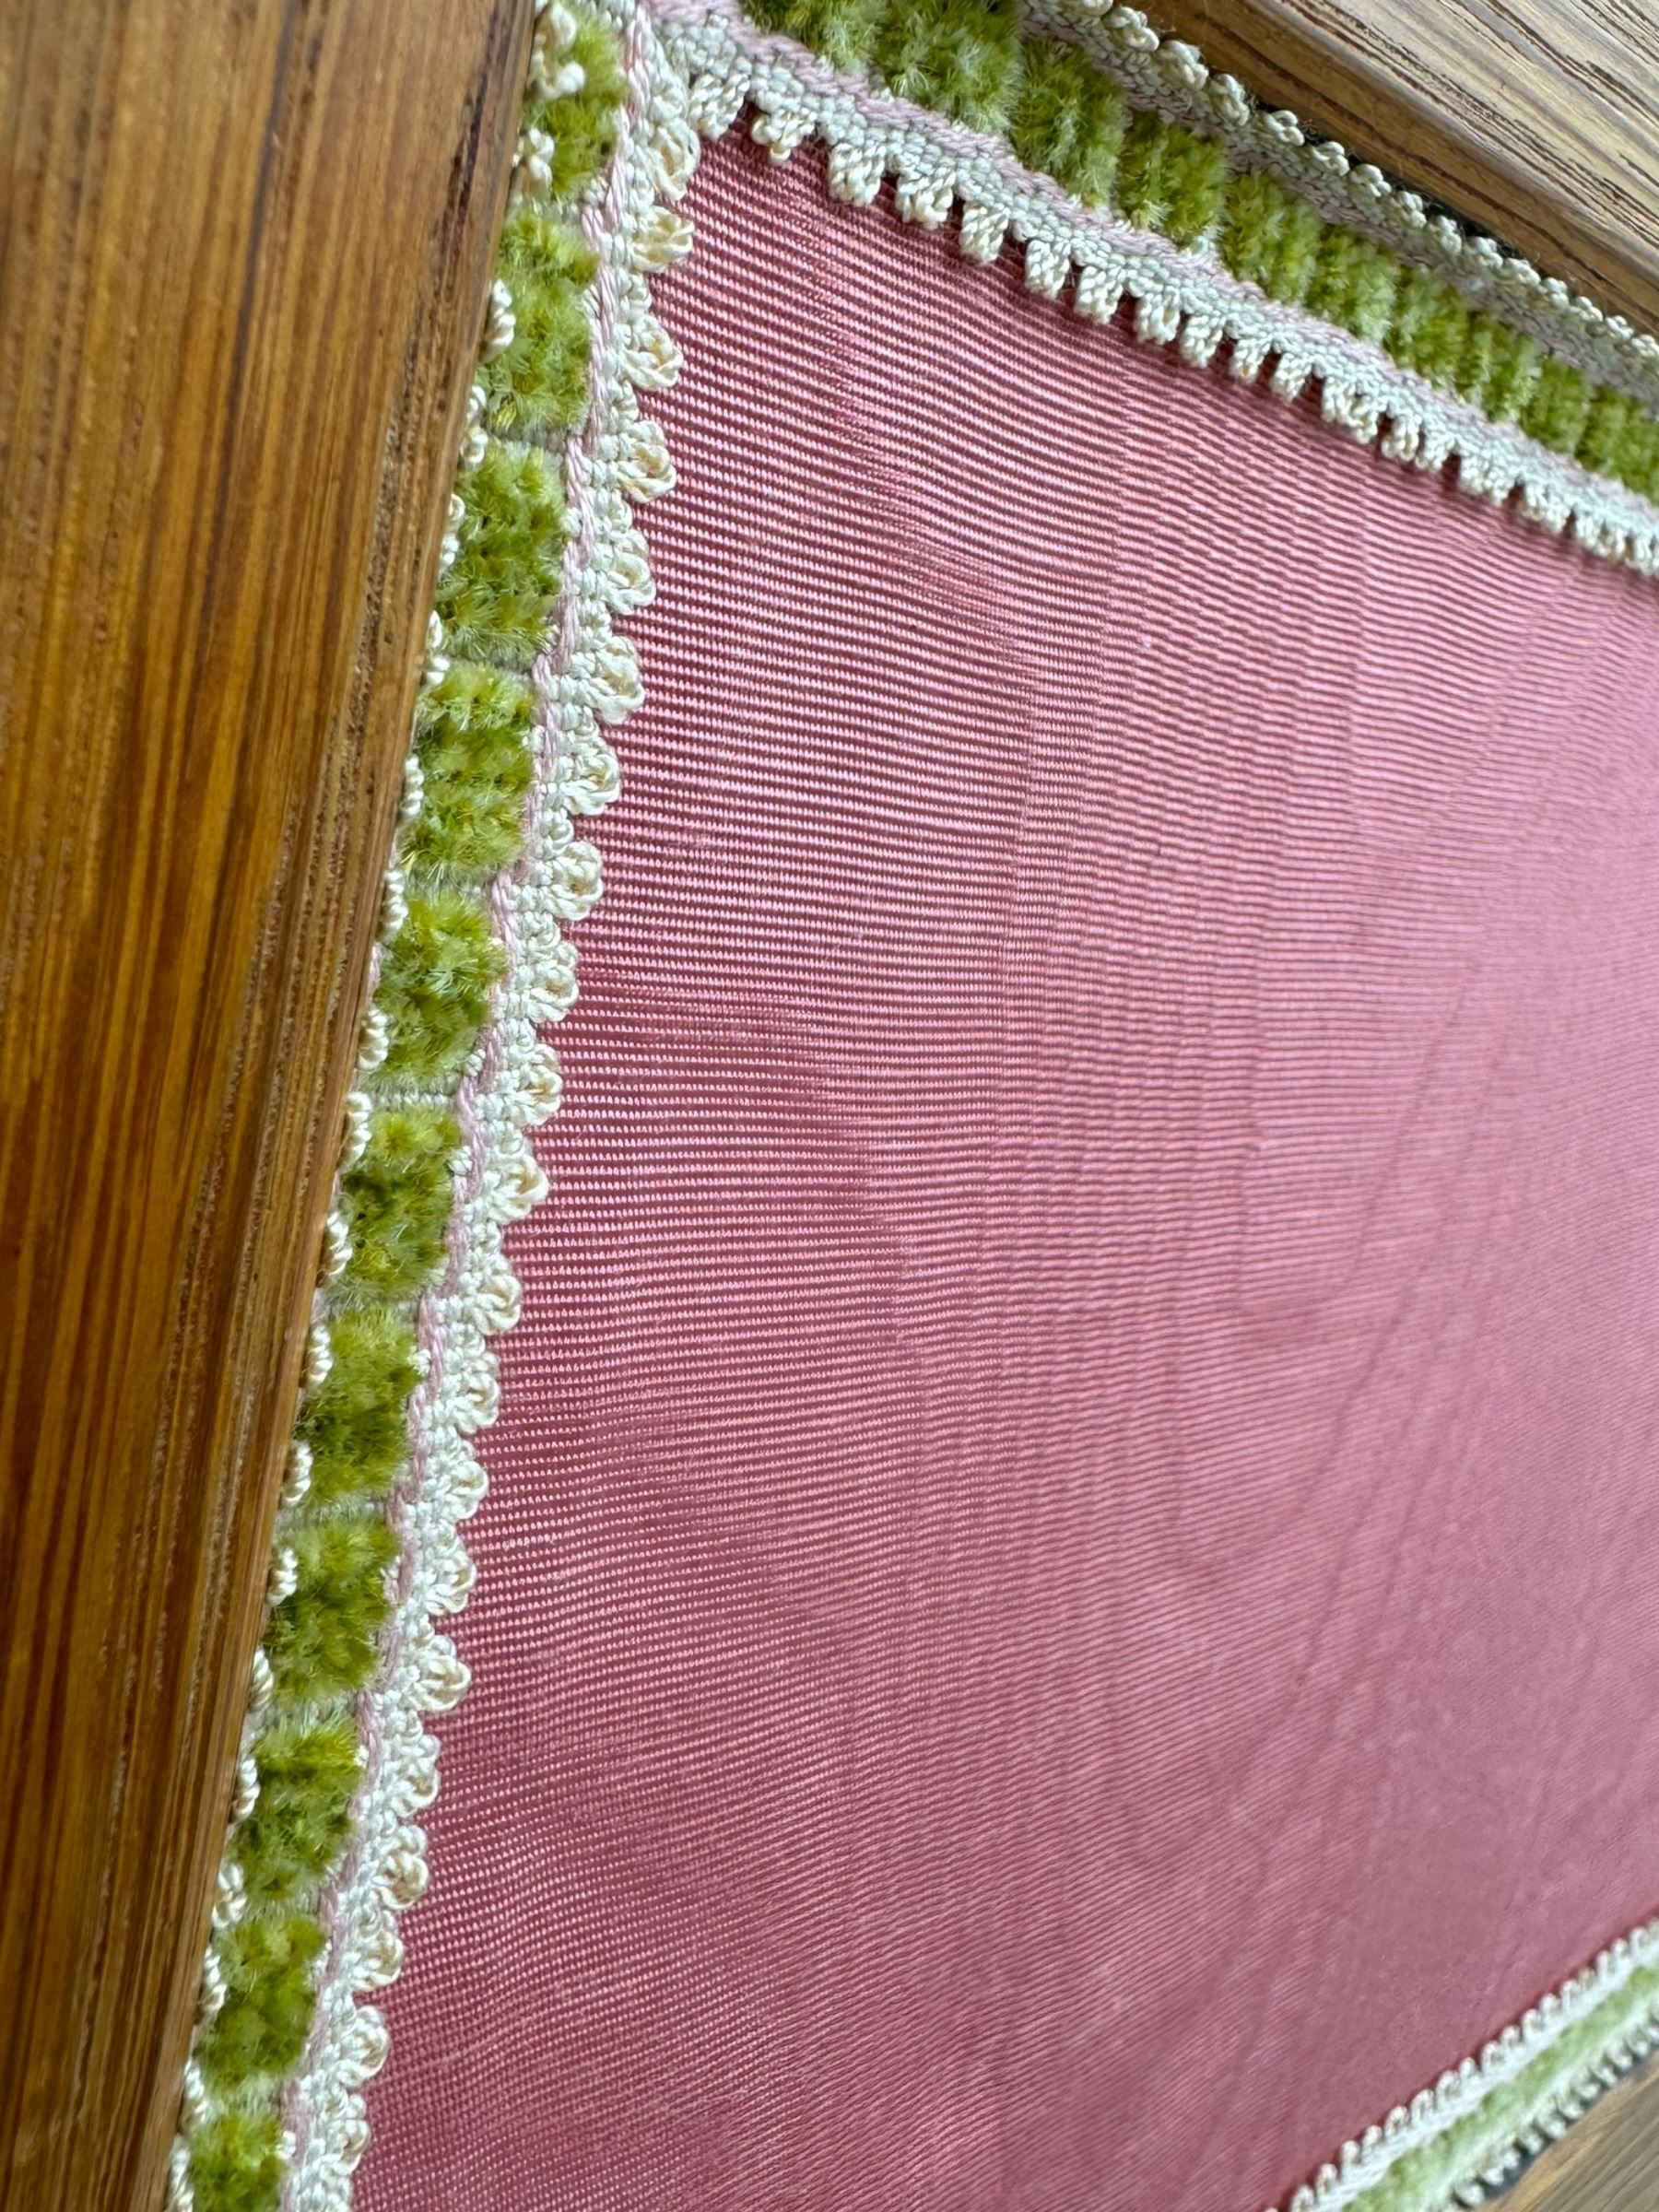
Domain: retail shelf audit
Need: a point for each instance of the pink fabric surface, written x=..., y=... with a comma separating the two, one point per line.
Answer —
x=1066, y=1609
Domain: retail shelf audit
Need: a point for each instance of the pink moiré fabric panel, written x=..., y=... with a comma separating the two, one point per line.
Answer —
x=1066, y=1610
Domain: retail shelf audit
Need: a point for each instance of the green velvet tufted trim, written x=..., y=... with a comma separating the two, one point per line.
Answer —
x=337, y=1547
x=1065, y=115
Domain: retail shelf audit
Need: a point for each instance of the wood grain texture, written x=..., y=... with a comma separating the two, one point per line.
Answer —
x=244, y=254
x=1607, y=2162
x=243, y=249
x=1536, y=118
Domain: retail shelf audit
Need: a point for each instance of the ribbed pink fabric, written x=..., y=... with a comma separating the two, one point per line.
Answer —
x=1068, y=1606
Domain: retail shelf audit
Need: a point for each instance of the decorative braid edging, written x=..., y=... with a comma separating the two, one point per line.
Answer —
x=323, y=1850
x=1464, y=2139
x=1096, y=259
x=1138, y=126
x=586, y=680
x=1170, y=76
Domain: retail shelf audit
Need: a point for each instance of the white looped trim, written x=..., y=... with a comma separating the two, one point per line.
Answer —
x=1168, y=75
x=1181, y=297
x=589, y=681
x=1616, y=1992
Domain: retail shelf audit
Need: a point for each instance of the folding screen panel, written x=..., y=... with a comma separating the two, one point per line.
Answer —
x=1043, y=1477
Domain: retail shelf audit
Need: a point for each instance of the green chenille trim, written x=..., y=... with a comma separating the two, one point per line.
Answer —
x=235, y=2165
x=261, y=2028
x=1270, y=238
x=322, y=1640
x=1568, y=2068
x=336, y=1545
x=353, y=1421
x=473, y=745
x=1169, y=180
x=308, y=1776
x=539, y=381
x=1062, y=114
x=1504, y=363
x=495, y=601
x=1069, y=120
x=581, y=126
x=397, y=1203
x=435, y=984
x=967, y=60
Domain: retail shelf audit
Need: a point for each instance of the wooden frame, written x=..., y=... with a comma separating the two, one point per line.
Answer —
x=1608, y=2162
x=1532, y=117
x=245, y=256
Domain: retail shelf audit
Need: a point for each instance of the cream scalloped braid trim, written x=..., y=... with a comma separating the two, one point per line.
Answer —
x=1092, y=257
x=1465, y=2138
x=1170, y=76
x=589, y=682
